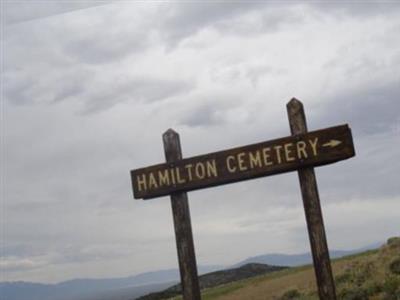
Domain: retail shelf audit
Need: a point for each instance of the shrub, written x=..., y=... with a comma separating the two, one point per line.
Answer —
x=373, y=288
x=353, y=294
x=391, y=287
x=342, y=278
x=395, y=266
x=394, y=242
x=291, y=294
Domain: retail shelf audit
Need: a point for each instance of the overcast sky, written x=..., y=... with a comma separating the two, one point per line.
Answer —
x=88, y=89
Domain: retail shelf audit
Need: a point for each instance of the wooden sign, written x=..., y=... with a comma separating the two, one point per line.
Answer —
x=262, y=159
x=302, y=151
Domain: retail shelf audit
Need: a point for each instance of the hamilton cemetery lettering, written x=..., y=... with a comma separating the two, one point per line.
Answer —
x=256, y=160
x=242, y=161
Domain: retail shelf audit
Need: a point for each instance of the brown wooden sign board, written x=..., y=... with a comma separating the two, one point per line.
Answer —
x=281, y=155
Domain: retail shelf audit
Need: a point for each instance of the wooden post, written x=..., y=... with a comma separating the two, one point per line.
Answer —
x=182, y=224
x=312, y=208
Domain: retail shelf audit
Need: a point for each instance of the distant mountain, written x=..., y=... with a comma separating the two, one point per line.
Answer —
x=217, y=278
x=35, y=291
x=134, y=286
x=293, y=260
x=290, y=260
x=90, y=289
x=127, y=292
x=22, y=290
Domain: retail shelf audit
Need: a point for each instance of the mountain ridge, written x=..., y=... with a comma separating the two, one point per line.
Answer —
x=83, y=288
x=217, y=278
x=298, y=259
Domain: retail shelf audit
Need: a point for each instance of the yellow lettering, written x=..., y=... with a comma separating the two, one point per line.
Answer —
x=288, y=151
x=231, y=169
x=141, y=183
x=163, y=178
x=241, y=161
x=314, y=145
x=212, y=168
x=152, y=181
x=301, y=150
x=266, y=156
x=200, y=170
x=278, y=153
x=255, y=159
x=178, y=176
x=189, y=167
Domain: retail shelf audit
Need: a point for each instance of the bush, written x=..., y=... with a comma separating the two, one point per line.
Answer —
x=353, y=294
x=394, y=242
x=291, y=294
x=395, y=266
x=391, y=287
x=373, y=288
x=343, y=278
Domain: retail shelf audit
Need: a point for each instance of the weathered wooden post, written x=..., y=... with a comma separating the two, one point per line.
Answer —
x=182, y=224
x=312, y=208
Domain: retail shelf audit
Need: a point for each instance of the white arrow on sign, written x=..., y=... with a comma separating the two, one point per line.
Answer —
x=332, y=143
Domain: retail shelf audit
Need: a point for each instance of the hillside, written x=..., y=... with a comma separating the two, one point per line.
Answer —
x=218, y=278
x=373, y=274
x=135, y=286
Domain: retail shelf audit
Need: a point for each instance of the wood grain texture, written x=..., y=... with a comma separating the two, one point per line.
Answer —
x=182, y=225
x=313, y=212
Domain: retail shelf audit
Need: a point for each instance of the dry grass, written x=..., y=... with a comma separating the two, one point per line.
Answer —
x=365, y=272
x=272, y=288
x=368, y=272
x=301, y=279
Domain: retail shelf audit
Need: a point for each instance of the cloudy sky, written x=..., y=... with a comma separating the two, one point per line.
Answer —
x=88, y=88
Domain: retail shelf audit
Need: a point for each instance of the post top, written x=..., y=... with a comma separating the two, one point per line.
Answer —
x=170, y=133
x=294, y=102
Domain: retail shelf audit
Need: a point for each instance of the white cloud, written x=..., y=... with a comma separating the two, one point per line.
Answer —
x=13, y=263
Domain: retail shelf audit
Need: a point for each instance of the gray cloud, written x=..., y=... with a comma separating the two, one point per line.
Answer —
x=22, y=11
x=34, y=77
x=370, y=110
x=68, y=205
x=210, y=113
x=205, y=115
x=24, y=257
x=256, y=73
x=357, y=8
x=186, y=19
x=139, y=90
x=76, y=83
x=17, y=264
x=106, y=47
x=18, y=250
x=49, y=88
x=17, y=91
x=264, y=21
